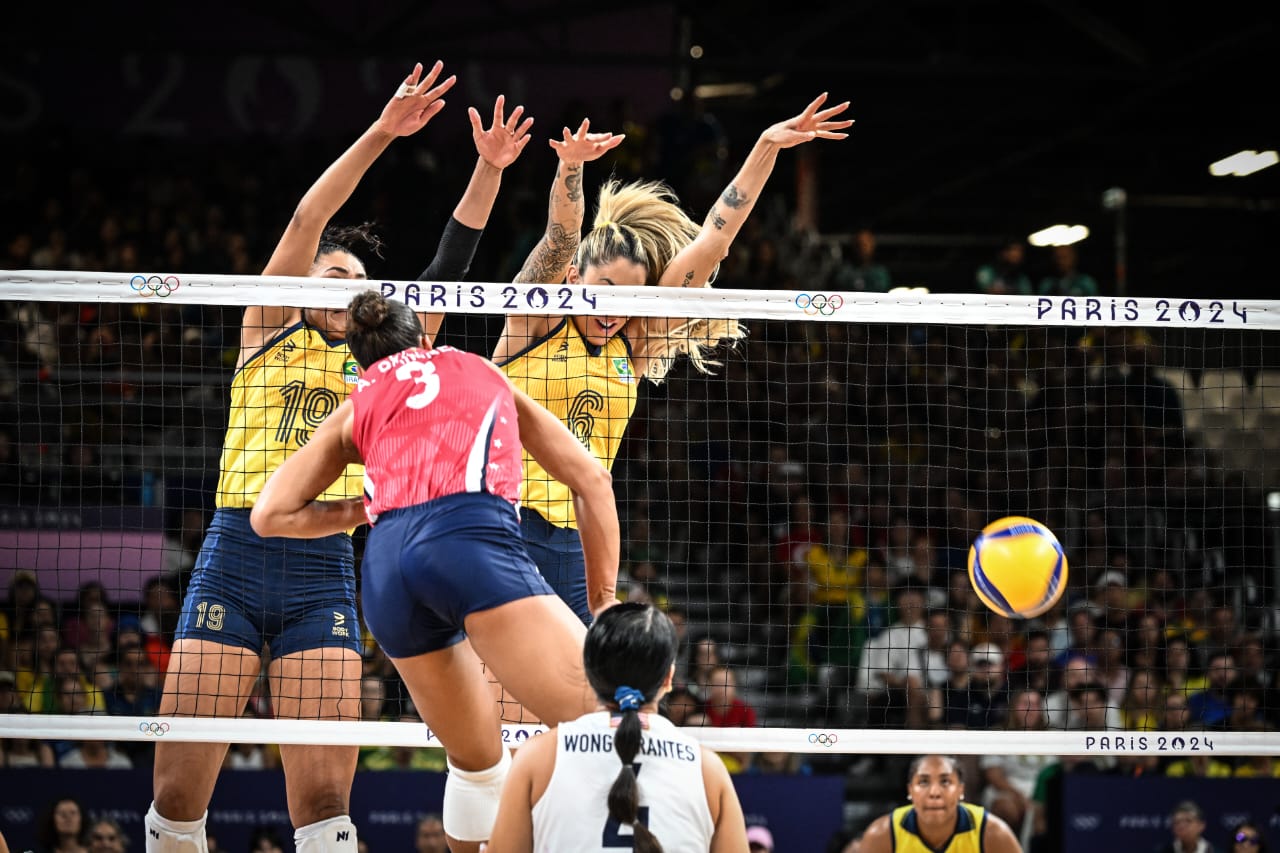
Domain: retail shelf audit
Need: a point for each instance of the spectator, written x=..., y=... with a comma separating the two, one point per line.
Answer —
x=680, y=704
x=933, y=657
x=1004, y=275
x=265, y=839
x=1177, y=716
x=106, y=836
x=1247, y=838
x=1198, y=766
x=430, y=837
x=759, y=839
x=1176, y=662
x=137, y=689
x=889, y=676
x=861, y=272
x=1083, y=636
x=62, y=828
x=25, y=752
x=725, y=709
x=373, y=698
x=1066, y=279
x=985, y=702
x=1011, y=779
x=705, y=660
x=1212, y=706
x=1090, y=711
x=247, y=756
x=95, y=753
x=1110, y=668
x=1256, y=675
x=723, y=706
x=1188, y=831
x=1143, y=704
x=957, y=682
x=1035, y=671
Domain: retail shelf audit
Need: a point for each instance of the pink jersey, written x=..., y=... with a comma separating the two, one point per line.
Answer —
x=431, y=423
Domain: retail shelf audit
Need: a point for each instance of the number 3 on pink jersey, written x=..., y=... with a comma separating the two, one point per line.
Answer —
x=425, y=375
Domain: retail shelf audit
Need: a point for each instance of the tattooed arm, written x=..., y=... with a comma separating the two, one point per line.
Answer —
x=694, y=265
x=549, y=261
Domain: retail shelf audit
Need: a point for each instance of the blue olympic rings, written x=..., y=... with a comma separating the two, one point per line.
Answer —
x=819, y=303
x=154, y=285
x=824, y=738
x=157, y=729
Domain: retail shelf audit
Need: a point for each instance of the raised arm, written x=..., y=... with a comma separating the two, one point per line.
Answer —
x=498, y=147
x=287, y=505
x=416, y=102
x=565, y=459
x=550, y=258
x=694, y=265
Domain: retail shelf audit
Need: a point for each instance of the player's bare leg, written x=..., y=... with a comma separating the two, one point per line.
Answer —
x=204, y=679
x=317, y=684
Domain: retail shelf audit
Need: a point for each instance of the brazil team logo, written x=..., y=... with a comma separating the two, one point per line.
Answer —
x=623, y=367
x=350, y=372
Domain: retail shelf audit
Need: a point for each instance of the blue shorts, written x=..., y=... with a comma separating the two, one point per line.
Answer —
x=558, y=553
x=427, y=567
x=291, y=594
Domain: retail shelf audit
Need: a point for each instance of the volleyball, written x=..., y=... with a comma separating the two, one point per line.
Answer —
x=1017, y=567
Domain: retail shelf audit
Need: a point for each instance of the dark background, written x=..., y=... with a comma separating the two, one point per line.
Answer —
x=975, y=120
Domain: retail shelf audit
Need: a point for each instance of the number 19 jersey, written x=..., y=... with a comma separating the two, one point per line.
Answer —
x=278, y=398
x=433, y=423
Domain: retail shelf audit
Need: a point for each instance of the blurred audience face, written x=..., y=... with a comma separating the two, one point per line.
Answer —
x=430, y=837
x=66, y=818
x=105, y=837
x=1027, y=711
x=1221, y=672
x=1188, y=826
x=1176, y=714
x=721, y=689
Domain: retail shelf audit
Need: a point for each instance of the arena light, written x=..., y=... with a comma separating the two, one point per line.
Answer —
x=1243, y=163
x=725, y=90
x=1059, y=235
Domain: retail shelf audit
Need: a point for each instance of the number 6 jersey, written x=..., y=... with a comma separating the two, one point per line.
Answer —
x=278, y=398
x=431, y=423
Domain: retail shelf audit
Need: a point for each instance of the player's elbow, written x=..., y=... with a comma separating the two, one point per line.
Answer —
x=265, y=521
x=597, y=481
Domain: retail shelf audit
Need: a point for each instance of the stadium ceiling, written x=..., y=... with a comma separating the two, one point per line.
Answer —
x=974, y=117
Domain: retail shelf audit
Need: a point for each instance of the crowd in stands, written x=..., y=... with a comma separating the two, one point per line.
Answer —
x=803, y=514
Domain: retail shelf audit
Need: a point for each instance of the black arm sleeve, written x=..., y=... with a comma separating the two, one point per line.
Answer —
x=453, y=255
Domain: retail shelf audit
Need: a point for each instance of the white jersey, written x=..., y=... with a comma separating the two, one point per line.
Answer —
x=573, y=813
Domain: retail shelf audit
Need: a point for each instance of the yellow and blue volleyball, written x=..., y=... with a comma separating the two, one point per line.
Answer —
x=1017, y=567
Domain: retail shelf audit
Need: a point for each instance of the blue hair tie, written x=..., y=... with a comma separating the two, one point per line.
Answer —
x=628, y=698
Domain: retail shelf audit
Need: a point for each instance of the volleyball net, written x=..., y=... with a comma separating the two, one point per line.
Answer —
x=804, y=511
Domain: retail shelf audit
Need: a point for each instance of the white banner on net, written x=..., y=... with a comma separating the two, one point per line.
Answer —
x=497, y=298
x=856, y=741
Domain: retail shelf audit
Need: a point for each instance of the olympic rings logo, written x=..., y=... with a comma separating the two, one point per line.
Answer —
x=157, y=729
x=154, y=285
x=819, y=303
x=824, y=738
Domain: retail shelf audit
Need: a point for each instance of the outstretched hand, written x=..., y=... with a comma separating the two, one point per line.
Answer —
x=583, y=147
x=813, y=123
x=502, y=143
x=416, y=102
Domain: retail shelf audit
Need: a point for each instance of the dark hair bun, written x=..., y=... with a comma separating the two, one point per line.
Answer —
x=367, y=310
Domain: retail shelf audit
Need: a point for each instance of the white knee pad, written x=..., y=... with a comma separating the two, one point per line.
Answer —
x=471, y=800
x=174, y=836
x=335, y=835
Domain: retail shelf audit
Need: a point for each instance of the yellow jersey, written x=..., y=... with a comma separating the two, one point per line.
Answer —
x=967, y=838
x=592, y=390
x=278, y=398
